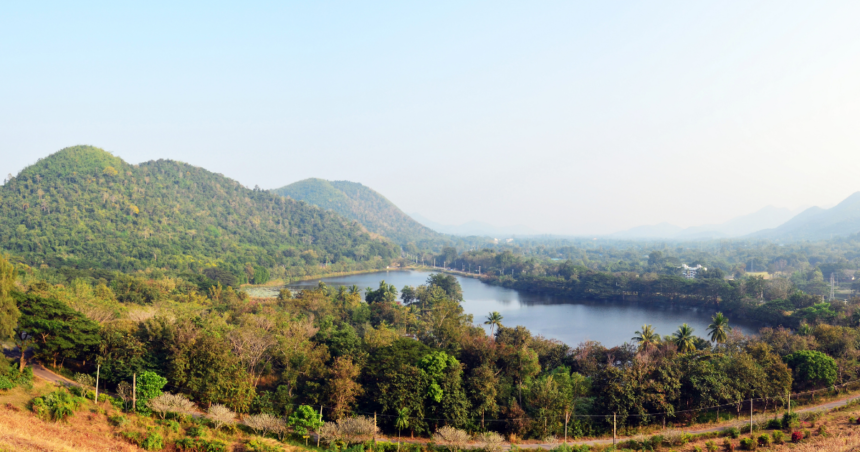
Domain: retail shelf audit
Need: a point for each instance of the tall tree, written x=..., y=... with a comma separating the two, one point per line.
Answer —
x=9, y=312
x=494, y=320
x=684, y=339
x=646, y=338
x=342, y=389
x=719, y=328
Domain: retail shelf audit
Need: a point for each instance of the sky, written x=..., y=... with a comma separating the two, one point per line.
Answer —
x=567, y=117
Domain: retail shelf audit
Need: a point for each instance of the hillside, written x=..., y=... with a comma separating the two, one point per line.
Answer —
x=816, y=223
x=86, y=208
x=357, y=202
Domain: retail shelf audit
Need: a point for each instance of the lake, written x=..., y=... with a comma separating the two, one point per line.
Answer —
x=570, y=321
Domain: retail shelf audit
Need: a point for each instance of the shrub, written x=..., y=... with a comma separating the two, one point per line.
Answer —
x=455, y=439
x=822, y=430
x=764, y=440
x=149, y=386
x=491, y=441
x=11, y=378
x=697, y=449
x=774, y=424
x=796, y=437
x=265, y=423
x=778, y=437
x=790, y=420
x=656, y=441
x=201, y=445
x=196, y=431
x=153, y=441
x=733, y=432
x=711, y=446
x=348, y=430
x=748, y=444
x=807, y=433
x=58, y=405
x=118, y=420
x=851, y=419
x=256, y=445
x=171, y=425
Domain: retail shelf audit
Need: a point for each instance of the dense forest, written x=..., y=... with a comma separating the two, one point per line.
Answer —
x=371, y=209
x=85, y=208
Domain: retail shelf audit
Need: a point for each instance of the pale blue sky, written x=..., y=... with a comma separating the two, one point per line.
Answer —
x=568, y=117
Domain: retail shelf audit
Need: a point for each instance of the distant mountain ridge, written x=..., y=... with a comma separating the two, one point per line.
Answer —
x=86, y=208
x=816, y=223
x=767, y=217
x=360, y=203
x=475, y=228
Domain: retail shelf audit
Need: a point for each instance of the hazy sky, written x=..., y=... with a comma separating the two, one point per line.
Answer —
x=568, y=117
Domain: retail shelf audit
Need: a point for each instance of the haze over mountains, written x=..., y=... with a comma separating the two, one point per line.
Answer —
x=771, y=223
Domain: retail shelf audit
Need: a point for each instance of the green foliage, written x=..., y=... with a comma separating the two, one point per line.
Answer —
x=196, y=431
x=748, y=444
x=778, y=437
x=58, y=405
x=303, y=420
x=149, y=386
x=361, y=204
x=10, y=377
x=200, y=445
x=153, y=441
x=733, y=432
x=812, y=368
x=70, y=210
x=9, y=312
x=56, y=330
x=257, y=445
x=791, y=420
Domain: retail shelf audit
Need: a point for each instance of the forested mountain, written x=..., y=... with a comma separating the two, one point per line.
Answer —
x=362, y=204
x=816, y=223
x=86, y=208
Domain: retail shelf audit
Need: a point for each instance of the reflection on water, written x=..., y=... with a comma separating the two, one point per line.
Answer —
x=570, y=321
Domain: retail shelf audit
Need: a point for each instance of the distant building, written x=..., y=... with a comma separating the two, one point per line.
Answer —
x=690, y=272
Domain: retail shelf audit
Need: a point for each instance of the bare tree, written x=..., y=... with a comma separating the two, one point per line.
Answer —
x=251, y=343
x=455, y=439
x=171, y=403
x=220, y=415
x=349, y=429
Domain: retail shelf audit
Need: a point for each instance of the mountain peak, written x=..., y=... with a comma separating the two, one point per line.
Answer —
x=75, y=160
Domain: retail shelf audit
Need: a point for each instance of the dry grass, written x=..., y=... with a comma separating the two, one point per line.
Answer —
x=22, y=431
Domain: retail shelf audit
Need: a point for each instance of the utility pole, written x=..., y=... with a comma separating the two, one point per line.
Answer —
x=751, y=417
x=613, y=430
x=318, y=434
x=98, y=368
x=134, y=393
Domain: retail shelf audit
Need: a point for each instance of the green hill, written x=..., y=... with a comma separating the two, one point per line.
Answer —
x=83, y=207
x=362, y=204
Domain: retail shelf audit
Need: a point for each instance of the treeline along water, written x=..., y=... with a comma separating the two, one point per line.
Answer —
x=568, y=320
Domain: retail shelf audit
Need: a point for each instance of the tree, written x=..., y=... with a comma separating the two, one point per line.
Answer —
x=448, y=283
x=385, y=293
x=402, y=420
x=57, y=331
x=149, y=386
x=220, y=415
x=647, y=337
x=341, y=388
x=684, y=339
x=494, y=320
x=303, y=420
x=719, y=328
x=812, y=368
x=9, y=312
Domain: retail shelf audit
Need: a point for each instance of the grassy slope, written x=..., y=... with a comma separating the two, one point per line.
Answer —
x=362, y=204
x=87, y=208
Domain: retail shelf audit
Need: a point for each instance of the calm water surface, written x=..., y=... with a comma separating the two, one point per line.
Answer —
x=568, y=320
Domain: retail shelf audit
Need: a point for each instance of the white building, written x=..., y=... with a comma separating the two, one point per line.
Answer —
x=690, y=272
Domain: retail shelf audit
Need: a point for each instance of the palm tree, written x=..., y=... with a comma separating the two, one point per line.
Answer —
x=719, y=328
x=647, y=337
x=401, y=422
x=494, y=320
x=684, y=339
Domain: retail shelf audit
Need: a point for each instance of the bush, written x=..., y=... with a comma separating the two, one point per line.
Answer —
x=796, y=437
x=778, y=437
x=58, y=405
x=764, y=440
x=730, y=447
x=774, y=424
x=11, y=378
x=257, y=445
x=851, y=419
x=822, y=430
x=153, y=441
x=790, y=420
x=196, y=431
x=201, y=445
x=733, y=432
x=807, y=433
x=118, y=420
x=748, y=444
x=711, y=446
